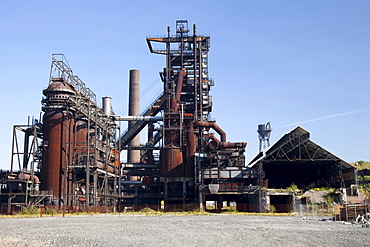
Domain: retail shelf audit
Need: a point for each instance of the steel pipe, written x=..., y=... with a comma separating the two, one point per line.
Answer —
x=214, y=126
x=139, y=118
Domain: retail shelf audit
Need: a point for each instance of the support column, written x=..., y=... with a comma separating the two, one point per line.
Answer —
x=202, y=203
x=95, y=188
x=220, y=201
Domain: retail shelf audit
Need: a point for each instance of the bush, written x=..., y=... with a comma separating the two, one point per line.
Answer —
x=32, y=210
x=147, y=210
x=272, y=209
x=293, y=187
x=362, y=165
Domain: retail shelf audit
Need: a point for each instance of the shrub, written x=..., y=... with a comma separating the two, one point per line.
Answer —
x=272, y=209
x=293, y=187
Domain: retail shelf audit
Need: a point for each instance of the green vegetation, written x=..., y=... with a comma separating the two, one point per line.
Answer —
x=361, y=164
x=231, y=209
x=364, y=185
x=328, y=189
x=272, y=209
x=365, y=189
x=147, y=210
x=30, y=211
x=329, y=199
x=363, y=179
x=293, y=187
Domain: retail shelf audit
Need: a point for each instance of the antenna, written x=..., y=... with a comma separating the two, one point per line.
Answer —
x=264, y=132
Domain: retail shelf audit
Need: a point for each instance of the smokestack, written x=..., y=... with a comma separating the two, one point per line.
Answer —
x=133, y=156
x=107, y=106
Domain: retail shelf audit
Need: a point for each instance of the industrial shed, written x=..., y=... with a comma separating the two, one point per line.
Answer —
x=295, y=159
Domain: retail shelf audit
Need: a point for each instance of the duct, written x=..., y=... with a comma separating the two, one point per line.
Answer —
x=139, y=118
x=180, y=81
x=214, y=126
x=130, y=133
x=24, y=176
x=232, y=145
x=213, y=145
x=175, y=103
x=212, y=136
x=36, y=180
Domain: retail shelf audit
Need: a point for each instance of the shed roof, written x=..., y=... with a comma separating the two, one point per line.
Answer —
x=297, y=146
x=294, y=158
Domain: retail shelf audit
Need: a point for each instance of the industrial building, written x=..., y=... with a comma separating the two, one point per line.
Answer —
x=71, y=156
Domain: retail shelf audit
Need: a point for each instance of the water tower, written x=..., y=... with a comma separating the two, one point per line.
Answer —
x=264, y=132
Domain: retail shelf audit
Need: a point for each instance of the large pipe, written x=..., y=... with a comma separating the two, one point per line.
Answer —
x=28, y=177
x=212, y=136
x=180, y=82
x=139, y=118
x=213, y=145
x=133, y=156
x=175, y=103
x=214, y=126
x=25, y=176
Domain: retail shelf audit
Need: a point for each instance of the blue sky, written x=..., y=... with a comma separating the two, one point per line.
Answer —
x=288, y=62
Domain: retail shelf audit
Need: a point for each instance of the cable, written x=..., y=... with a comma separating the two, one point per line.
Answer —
x=124, y=110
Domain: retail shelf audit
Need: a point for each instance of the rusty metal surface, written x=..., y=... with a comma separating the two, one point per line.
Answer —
x=57, y=134
x=171, y=162
x=214, y=126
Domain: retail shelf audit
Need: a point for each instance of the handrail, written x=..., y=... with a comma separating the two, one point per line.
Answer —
x=72, y=79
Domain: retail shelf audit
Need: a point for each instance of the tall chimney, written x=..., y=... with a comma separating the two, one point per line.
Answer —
x=133, y=156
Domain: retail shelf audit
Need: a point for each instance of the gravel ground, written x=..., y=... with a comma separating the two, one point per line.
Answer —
x=197, y=230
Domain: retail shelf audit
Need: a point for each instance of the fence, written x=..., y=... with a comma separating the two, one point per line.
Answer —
x=334, y=212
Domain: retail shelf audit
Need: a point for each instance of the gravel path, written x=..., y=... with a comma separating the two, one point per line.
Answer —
x=213, y=230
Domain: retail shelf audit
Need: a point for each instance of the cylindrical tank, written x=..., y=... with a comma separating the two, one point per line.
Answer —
x=264, y=130
x=191, y=142
x=171, y=162
x=58, y=124
x=57, y=133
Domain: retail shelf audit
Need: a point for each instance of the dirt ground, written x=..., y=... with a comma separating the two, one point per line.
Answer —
x=179, y=230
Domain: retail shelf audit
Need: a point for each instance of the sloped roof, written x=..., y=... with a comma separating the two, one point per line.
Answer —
x=297, y=146
x=295, y=159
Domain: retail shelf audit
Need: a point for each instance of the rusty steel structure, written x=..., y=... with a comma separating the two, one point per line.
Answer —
x=73, y=160
x=71, y=157
x=183, y=158
x=80, y=159
x=182, y=164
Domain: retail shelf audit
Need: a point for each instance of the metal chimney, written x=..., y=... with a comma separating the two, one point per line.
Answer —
x=133, y=156
x=107, y=106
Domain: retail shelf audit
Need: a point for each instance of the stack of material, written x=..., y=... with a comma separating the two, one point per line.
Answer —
x=351, y=212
